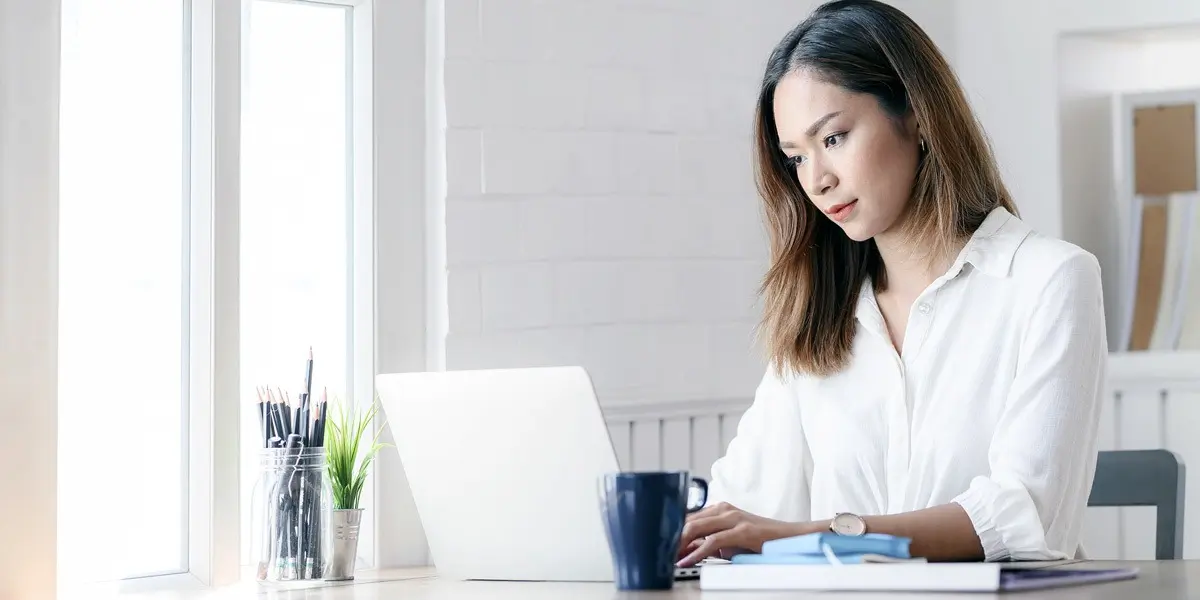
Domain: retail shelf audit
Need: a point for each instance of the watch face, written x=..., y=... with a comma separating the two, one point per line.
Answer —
x=848, y=524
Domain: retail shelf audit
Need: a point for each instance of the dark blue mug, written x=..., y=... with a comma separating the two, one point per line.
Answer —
x=644, y=514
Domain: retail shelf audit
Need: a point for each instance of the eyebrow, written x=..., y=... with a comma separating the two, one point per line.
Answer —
x=814, y=128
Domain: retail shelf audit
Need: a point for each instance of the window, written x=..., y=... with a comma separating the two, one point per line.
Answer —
x=217, y=220
x=297, y=211
x=122, y=291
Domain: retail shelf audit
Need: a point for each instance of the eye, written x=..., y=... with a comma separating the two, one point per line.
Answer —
x=834, y=139
x=795, y=161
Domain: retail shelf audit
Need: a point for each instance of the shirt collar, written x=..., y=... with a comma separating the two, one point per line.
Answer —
x=990, y=249
x=994, y=244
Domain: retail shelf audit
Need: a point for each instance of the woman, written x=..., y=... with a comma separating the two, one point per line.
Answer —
x=935, y=365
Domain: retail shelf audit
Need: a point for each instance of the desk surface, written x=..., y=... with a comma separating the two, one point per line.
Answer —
x=1157, y=581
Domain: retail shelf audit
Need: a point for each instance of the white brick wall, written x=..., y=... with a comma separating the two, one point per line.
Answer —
x=600, y=208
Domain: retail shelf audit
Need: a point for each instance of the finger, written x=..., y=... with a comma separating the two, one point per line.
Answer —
x=711, y=510
x=685, y=550
x=711, y=546
x=703, y=527
x=719, y=513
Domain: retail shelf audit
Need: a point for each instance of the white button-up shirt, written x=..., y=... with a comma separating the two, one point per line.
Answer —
x=993, y=403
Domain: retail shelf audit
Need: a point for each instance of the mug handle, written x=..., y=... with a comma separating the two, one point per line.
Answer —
x=702, y=485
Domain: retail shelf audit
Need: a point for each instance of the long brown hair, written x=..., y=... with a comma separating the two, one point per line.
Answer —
x=811, y=289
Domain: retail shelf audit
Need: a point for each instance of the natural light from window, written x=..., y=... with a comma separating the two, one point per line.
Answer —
x=295, y=210
x=122, y=431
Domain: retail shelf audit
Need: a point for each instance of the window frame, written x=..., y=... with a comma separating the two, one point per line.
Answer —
x=210, y=198
x=214, y=32
x=213, y=138
x=360, y=256
x=69, y=10
x=362, y=268
x=211, y=203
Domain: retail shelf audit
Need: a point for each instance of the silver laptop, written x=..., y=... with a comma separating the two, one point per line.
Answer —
x=504, y=467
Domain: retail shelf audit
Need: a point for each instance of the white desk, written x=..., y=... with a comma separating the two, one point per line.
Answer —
x=1157, y=580
x=1166, y=580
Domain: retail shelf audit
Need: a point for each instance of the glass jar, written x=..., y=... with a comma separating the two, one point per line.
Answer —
x=291, y=517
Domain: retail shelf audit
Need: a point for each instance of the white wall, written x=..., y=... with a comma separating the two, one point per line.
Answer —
x=29, y=47
x=1006, y=56
x=1094, y=71
x=402, y=244
x=599, y=204
x=1168, y=64
x=1090, y=72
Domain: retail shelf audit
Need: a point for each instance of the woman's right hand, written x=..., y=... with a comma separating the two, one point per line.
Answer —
x=723, y=530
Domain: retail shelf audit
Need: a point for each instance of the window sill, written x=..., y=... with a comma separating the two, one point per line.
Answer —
x=187, y=587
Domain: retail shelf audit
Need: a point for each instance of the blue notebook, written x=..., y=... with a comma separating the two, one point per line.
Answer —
x=809, y=559
x=812, y=544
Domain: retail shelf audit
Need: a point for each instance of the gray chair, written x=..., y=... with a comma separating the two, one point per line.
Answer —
x=1145, y=478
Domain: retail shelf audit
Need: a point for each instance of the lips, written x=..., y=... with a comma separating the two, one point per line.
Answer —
x=839, y=212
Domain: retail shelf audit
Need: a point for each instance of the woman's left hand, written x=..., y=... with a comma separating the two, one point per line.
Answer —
x=724, y=529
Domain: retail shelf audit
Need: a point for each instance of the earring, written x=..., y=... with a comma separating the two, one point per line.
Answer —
x=922, y=144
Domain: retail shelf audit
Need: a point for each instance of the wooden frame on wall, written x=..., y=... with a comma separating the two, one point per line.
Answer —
x=1159, y=198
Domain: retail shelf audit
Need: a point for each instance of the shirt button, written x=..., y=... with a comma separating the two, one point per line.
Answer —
x=924, y=307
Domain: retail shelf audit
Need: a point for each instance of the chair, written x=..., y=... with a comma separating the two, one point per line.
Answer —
x=1145, y=478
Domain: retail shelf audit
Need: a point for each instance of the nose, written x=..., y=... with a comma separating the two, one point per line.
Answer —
x=823, y=181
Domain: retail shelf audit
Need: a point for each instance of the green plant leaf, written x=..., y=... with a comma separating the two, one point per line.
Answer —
x=348, y=461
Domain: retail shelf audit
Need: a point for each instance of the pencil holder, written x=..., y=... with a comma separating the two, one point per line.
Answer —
x=291, y=519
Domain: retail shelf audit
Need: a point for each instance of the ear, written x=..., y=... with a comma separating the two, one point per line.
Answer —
x=913, y=129
x=911, y=126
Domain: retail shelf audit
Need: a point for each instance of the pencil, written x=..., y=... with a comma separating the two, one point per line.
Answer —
x=317, y=441
x=276, y=415
x=285, y=413
x=302, y=419
x=263, y=422
x=308, y=374
x=323, y=408
x=295, y=484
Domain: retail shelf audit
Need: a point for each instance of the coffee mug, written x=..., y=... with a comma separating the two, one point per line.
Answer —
x=644, y=514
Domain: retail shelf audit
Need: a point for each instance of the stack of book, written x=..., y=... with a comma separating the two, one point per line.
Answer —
x=877, y=562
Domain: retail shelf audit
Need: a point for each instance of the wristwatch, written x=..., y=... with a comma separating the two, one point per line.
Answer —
x=848, y=524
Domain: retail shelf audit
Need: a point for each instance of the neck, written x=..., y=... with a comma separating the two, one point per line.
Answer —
x=910, y=269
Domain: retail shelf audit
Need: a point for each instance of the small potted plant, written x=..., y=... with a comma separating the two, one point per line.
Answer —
x=349, y=458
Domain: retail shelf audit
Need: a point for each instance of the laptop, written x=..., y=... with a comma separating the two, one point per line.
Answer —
x=504, y=467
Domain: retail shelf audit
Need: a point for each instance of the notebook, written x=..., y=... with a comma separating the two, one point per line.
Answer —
x=816, y=543
x=880, y=562
x=905, y=576
x=817, y=559
x=831, y=548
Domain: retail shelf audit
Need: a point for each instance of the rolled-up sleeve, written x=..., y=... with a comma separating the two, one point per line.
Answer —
x=766, y=468
x=1042, y=458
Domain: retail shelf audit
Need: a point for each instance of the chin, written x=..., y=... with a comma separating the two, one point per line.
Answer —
x=859, y=232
